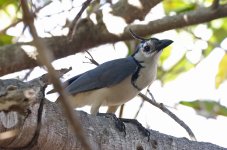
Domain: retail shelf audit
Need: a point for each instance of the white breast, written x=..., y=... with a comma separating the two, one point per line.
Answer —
x=108, y=96
x=146, y=76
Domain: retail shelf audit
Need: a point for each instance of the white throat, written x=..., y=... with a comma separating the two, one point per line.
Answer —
x=148, y=71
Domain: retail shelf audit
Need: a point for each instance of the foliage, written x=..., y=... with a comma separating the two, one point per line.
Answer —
x=8, y=14
x=180, y=67
x=222, y=71
x=178, y=6
x=5, y=39
x=219, y=30
x=207, y=108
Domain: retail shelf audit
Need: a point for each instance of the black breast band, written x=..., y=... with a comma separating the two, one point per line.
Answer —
x=136, y=74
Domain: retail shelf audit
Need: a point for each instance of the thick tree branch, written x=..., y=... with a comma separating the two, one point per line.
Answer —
x=90, y=35
x=215, y=4
x=55, y=132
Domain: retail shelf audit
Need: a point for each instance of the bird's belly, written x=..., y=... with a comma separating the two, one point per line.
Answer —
x=120, y=93
x=108, y=96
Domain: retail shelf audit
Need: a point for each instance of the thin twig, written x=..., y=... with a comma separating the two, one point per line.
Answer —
x=46, y=4
x=44, y=58
x=140, y=107
x=91, y=59
x=27, y=74
x=168, y=112
x=3, y=31
x=19, y=20
x=121, y=110
x=142, y=103
x=14, y=23
x=72, y=28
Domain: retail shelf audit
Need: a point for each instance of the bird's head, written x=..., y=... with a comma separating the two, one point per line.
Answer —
x=149, y=49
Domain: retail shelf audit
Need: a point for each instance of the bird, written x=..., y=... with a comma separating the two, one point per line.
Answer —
x=115, y=82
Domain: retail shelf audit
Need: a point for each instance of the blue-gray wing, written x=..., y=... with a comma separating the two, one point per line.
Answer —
x=71, y=80
x=105, y=75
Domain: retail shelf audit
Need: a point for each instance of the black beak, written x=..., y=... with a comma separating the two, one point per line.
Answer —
x=163, y=43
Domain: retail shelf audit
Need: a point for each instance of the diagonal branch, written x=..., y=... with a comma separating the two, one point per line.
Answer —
x=44, y=57
x=88, y=35
x=168, y=112
x=72, y=28
x=14, y=23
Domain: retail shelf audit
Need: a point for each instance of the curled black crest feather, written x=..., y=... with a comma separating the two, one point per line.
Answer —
x=137, y=36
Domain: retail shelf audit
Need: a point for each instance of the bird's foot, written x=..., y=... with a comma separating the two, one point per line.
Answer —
x=139, y=126
x=118, y=123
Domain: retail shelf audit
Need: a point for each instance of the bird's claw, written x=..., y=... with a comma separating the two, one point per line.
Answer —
x=118, y=123
x=139, y=126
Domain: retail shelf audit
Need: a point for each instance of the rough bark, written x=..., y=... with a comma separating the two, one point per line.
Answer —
x=55, y=132
x=130, y=13
x=89, y=35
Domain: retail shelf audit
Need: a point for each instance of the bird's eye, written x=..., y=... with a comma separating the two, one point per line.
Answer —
x=147, y=48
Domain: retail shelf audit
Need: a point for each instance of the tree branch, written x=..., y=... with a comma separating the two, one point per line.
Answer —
x=14, y=23
x=12, y=58
x=55, y=132
x=215, y=4
x=44, y=57
x=168, y=112
x=130, y=13
x=72, y=28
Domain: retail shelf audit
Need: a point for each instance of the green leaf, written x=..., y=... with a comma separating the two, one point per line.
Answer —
x=219, y=29
x=165, y=54
x=207, y=51
x=218, y=35
x=189, y=7
x=5, y=3
x=207, y=108
x=181, y=66
x=5, y=39
x=178, y=6
x=222, y=71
